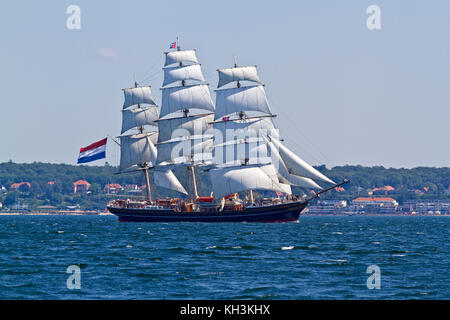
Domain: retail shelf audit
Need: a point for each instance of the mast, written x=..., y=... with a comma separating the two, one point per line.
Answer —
x=194, y=181
x=144, y=165
x=186, y=114
x=259, y=160
x=141, y=128
x=242, y=154
x=147, y=184
x=252, y=200
x=137, y=149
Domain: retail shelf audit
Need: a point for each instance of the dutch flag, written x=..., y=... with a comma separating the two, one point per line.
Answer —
x=173, y=45
x=93, y=152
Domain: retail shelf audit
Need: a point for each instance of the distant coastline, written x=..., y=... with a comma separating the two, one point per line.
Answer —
x=330, y=214
x=56, y=213
x=49, y=188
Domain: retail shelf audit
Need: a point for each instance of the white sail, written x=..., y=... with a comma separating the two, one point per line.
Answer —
x=239, y=152
x=137, y=95
x=174, y=128
x=297, y=166
x=283, y=172
x=185, y=151
x=228, y=130
x=186, y=97
x=136, y=149
x=153, y=150
x=180, y=56
x=251, y=98
x=285, y=188
x=192, y=72
x=285, y=177
x=303, y=182
x=135, y=118
x=237, y=74
x=226, y=181
x=167, y=179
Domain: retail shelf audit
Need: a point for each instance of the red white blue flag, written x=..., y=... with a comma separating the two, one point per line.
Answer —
x=173, y=45
x=93, y=152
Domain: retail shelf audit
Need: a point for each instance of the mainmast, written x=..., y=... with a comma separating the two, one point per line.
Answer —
x=186, y=113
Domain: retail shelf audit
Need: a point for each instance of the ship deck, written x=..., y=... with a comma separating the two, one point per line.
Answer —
x=288, y=211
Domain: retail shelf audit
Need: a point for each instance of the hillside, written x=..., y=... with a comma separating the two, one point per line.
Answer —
x=421, y=182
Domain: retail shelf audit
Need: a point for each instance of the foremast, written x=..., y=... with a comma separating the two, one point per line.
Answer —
x=240, y=154
x=186, y=113
x=247, y=150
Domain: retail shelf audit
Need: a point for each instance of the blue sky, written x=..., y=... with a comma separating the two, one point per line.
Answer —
x=344, y=94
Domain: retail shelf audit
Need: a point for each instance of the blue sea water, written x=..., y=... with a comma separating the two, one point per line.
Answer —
x=317, y=258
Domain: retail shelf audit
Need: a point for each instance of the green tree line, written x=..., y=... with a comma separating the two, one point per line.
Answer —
x=38, y=174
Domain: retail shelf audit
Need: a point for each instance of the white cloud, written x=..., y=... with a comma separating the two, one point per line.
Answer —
x=108, y=53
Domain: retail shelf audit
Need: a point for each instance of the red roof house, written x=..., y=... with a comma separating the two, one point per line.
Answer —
x=81, y=186
x=375, y=200
x=385, y=190
x=113, y=188
x=21, y=186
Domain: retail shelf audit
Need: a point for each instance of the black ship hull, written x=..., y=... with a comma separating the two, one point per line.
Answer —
x=274, y=213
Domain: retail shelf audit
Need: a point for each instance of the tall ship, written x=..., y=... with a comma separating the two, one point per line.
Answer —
x=234, y=141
